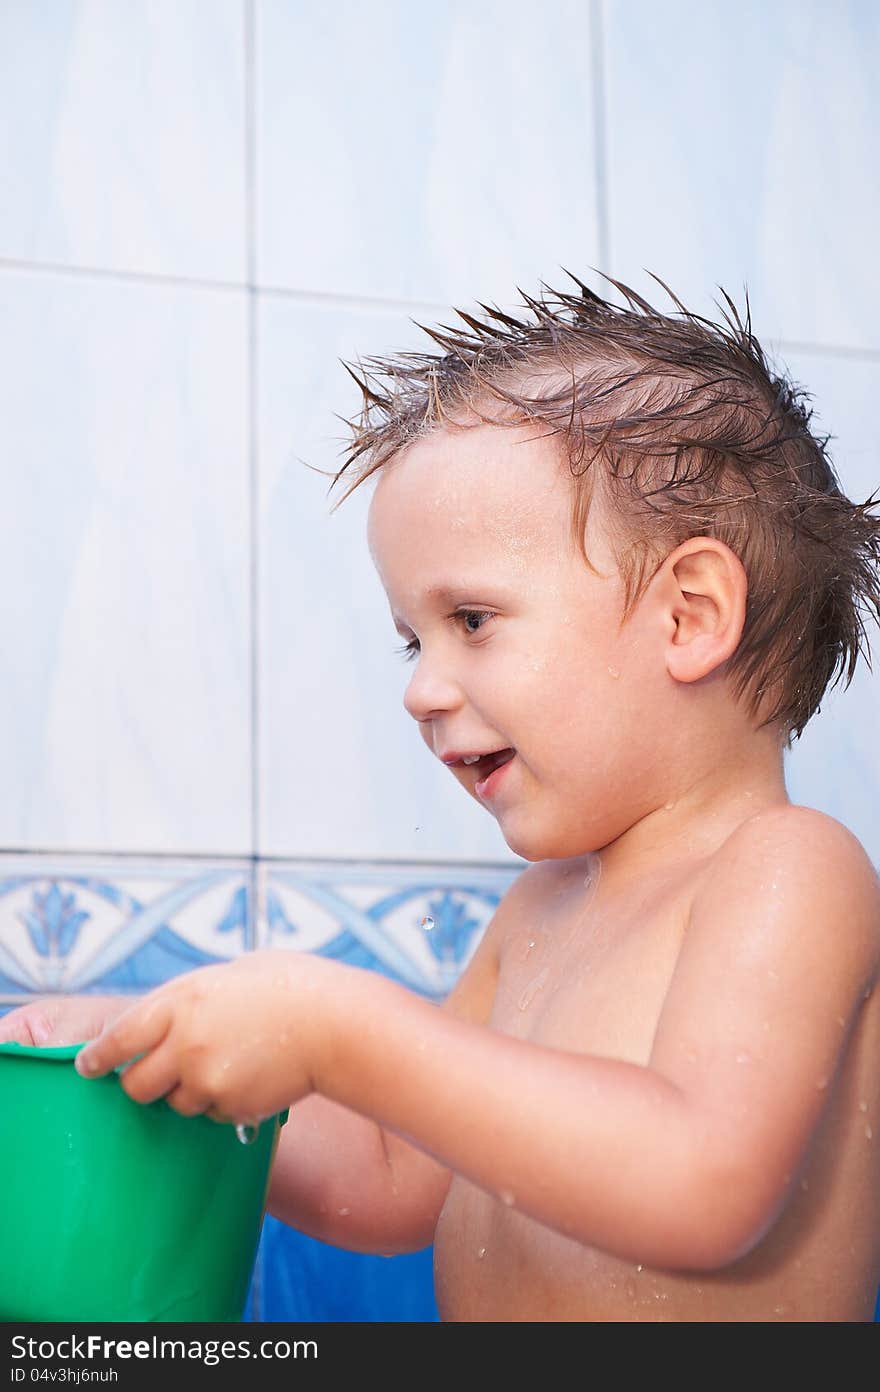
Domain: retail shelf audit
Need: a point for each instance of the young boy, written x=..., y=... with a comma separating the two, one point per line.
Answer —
x=627, y=575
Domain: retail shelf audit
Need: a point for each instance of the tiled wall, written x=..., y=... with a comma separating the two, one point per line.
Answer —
x=202, y=208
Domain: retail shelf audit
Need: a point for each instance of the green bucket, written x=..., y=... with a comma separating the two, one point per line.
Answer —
x=115, y=1210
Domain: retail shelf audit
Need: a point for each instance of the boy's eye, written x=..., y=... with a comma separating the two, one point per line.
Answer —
x=410, y=650
x=466, y=614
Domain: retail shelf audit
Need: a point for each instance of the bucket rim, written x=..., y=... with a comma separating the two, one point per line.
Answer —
x=60, y=1052
x=63, y=1053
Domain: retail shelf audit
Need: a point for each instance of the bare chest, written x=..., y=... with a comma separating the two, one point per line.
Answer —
x=590, y=975
x=587, y=975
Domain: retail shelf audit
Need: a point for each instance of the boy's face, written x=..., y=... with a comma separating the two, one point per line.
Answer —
x=523, y=651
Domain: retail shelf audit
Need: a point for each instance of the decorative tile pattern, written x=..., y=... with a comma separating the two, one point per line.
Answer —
x=103, y=926
x=417, y=924
x=81, y=926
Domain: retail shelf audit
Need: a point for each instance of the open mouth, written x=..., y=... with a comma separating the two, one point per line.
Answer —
x=488, y=763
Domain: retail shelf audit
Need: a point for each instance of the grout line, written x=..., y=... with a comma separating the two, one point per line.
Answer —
x=832, y=350
x=372, y=304
x=366, y=303
x=340, y=299
x=11, y=263
x=600, y=135
x=253, y=406
x=230, y=859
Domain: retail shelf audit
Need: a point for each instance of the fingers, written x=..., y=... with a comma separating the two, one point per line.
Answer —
x=28, y=1024
x=137, y=1031
x=149, y=1078
x=60, y=1020
x=188, y=1102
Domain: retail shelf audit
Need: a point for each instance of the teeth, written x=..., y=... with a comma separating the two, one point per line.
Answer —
x=474, y=759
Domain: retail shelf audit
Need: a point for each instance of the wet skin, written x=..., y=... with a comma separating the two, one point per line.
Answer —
x=633, y=761
x=586, y=967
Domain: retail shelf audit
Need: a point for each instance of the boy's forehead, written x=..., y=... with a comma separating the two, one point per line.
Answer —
x=486, y=511
x=505, y=483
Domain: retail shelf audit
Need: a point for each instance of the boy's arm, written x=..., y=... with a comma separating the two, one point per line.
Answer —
x=342, y=1178
x=684, y=1162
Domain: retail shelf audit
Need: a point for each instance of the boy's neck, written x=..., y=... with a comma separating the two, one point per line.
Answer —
x=697, y=816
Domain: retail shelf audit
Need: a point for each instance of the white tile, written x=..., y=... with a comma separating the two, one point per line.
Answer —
x=835, y=765
x=122, y=135
x=124, y=566
x=742, y=147
x=424, y=152
x=343, y=769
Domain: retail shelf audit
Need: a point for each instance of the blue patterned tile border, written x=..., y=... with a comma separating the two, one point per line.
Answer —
x=117, y=924
x=372, y=915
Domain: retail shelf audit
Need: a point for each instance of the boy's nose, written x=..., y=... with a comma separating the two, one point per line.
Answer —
x=429, y=693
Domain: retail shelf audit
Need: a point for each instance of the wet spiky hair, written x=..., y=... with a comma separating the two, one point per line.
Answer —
x=694, y=435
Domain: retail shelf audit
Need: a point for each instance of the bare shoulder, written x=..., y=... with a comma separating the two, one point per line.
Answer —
x=806, y=857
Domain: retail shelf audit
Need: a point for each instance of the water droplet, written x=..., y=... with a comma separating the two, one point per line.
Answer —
x=508, y=1197
x=639, y=1267
x=779, y=1309
x=533, y=988
x=841, y=1021
x=246, y=1133
x=821, y=1083
x=481, y=1254
x=427, y=923
x=668, y=806
x=343, y=1212
x=614, y=671
x=743, y=1057
x=868, y=1132
x=863, y=1106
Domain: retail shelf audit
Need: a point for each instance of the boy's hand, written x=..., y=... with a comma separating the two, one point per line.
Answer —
x=59, y=1020
x=239, y=1041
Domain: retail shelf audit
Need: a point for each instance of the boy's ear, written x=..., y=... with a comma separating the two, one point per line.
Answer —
x=705, y=593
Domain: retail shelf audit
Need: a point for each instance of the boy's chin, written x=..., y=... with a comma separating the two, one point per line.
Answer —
x=532, y=843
